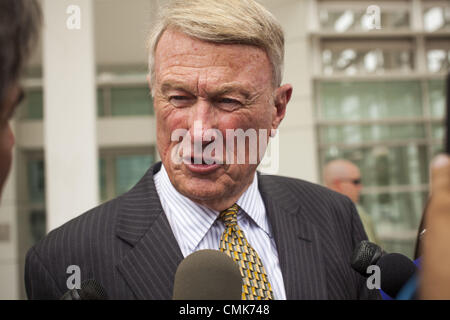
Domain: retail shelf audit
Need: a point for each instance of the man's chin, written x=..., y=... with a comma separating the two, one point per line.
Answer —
x=203, y=194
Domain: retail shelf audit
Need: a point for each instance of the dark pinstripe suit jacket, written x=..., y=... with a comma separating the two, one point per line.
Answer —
x=127, y=244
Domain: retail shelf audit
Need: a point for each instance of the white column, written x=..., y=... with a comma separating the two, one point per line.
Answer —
x=70, y=142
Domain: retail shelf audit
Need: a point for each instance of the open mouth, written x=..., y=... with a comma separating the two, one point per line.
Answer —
x=201, y=165
x=200, y=160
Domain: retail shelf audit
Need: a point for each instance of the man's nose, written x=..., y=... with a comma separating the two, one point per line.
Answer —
x=202, y=119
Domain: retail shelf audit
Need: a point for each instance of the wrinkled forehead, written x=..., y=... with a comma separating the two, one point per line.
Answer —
x=176, y=50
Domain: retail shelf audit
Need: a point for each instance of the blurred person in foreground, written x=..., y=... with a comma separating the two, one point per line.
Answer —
x=214, y=66
x=435, y=249
x=344, y=176
x=19, y=30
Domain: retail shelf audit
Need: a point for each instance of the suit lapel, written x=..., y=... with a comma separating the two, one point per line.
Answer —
x=149, y=267
x=298, y=243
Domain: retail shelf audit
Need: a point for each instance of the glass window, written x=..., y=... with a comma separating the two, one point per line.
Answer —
x=131, y=101
x=438, y=60
x=341, y=18
x=36, y=197
x=368, y=60
x=36, y=181
x=383, y=166
x=436, y=94
x=436, y=17
x=395, y=210
x=352, y=134
x=438, y=131
x=100, y=103
x=396, y=218
x=34, y=105
x=102, y=178
x=37, y=225
x=391, y=128
x=130, y=169
x=370, y=100
x=120, y=170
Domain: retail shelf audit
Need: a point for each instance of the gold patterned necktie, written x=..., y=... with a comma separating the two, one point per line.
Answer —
x=255, y=284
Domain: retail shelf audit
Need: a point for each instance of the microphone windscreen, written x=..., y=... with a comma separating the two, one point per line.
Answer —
x=208, y=275
x=396, y=269
x=365, y=254
x=92, y=290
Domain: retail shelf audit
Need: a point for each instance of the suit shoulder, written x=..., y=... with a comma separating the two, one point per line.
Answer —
x=321, y=206
x=95, y=222
x=80, y=241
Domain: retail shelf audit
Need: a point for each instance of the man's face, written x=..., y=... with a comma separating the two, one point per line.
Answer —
x=220, y=87
x=6, y=136
x=351, y=185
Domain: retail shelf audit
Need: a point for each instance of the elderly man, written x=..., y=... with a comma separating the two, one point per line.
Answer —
x=215, y=66
x=19, y=29
x=344, y=176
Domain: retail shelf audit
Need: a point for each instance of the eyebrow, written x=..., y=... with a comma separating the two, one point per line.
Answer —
x=230, y=88
x=166, y=86
x=223, y=89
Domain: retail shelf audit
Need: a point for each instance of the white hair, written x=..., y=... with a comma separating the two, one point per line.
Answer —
x=226, y=22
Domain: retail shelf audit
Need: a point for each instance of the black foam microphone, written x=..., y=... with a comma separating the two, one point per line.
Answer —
x=208, y=275
x=89, y=290
x=395, y=269
x=365, y=254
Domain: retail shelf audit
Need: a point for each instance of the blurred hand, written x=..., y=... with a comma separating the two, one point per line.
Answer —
x=435, y=280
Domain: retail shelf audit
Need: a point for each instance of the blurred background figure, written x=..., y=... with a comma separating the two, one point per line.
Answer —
x=19, y=29
x=344, y=177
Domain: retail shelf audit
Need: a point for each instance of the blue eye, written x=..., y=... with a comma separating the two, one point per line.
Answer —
x=228, y=104
x=179, y=98
x=180, y=101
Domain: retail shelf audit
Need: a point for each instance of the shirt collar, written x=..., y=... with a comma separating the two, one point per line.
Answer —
x=252, y=204
x=201, y=218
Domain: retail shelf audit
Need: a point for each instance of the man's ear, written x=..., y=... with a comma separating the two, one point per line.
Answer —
x=281, y=98
x=337, y=186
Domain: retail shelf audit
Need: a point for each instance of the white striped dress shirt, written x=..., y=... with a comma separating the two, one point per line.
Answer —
x=196, y=227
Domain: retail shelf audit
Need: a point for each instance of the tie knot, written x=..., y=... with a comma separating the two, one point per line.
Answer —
x=229, y=216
